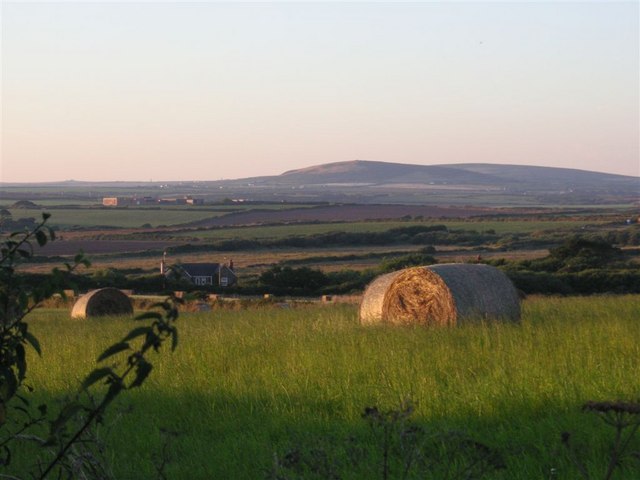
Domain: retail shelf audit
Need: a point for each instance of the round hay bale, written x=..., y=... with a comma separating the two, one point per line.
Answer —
x=105, y=301
x=445, y=294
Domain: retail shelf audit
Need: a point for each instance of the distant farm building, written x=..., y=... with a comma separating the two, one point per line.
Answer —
x=194, y=201
x=203, y=274
x=126, y=201
x=116, y=201
x=144, y=200
x=172, y=201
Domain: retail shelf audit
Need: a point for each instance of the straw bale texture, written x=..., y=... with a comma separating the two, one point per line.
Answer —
x=105, y=301
x=445, y=294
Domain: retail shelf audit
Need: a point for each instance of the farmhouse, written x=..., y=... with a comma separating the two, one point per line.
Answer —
x=194, y=201
x=172, y=201
x=147, y=200
x=126, y=201
x=204, y=274
x=144, y=200
x=186, y=200
x=116, y=201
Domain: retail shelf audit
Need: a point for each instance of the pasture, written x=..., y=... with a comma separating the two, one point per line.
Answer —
x=246, y=387
x=72, y=213
x=283, y=231
x=115, y=248
x=100, y=217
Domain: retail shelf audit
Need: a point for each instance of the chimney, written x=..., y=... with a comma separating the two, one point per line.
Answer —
x=163, y=263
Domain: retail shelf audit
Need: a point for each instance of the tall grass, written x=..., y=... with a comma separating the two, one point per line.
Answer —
x=243, y=385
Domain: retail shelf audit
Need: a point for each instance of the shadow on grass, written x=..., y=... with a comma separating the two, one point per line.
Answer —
x=215, y=435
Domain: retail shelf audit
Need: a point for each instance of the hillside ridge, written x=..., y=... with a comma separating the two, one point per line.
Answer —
x=355, y=166
x=469, y=175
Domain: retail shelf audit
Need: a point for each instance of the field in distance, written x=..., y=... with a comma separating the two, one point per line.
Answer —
x=329, y=237
x=509, y=236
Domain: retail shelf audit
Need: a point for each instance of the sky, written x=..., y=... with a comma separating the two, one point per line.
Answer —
x=207, y=91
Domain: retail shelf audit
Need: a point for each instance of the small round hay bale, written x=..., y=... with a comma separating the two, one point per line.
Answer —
x=102, y=302
x=445, y=294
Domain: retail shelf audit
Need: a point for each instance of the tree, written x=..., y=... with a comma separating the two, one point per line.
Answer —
x=303, y=279
x=578, y=253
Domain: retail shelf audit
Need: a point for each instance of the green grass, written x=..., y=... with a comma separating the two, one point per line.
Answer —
x=133, y=217
x=121, y=217
x=282, y=231
x=62, y=202
x=243, y=385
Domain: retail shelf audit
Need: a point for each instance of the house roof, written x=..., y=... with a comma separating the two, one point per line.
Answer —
x=203, y=269
x=200, y=269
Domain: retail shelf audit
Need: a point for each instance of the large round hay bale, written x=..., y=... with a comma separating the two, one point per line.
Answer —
x=105, y=301
x=446, y=294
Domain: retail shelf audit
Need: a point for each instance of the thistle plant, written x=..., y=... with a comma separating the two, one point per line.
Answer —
x=624, y=419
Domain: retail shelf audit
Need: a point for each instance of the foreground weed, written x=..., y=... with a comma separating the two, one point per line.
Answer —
x=164, y=457
x=624, y=419
x=395, y=448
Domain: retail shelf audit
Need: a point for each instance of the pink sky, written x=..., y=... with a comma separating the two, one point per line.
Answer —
x=203, y=91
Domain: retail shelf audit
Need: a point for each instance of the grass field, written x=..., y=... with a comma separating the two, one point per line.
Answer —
x=245, y=385
x=90, y=214
x=282, y=231
x=123, y=218
x=62, y=202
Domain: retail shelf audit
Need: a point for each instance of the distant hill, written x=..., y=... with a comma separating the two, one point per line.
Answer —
x=382, y=173
x=513, y=178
